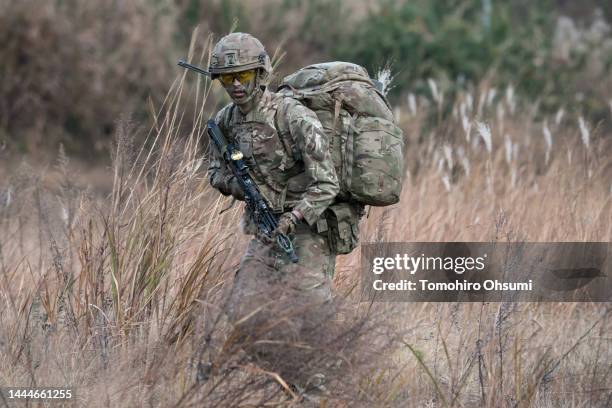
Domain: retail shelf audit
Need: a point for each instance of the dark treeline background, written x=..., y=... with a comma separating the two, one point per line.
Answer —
x=70, y=69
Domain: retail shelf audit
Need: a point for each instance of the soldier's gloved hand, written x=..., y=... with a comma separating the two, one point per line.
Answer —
x=286, y=224
x=235, y=190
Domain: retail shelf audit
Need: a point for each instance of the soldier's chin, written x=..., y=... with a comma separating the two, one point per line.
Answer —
x=243, y=98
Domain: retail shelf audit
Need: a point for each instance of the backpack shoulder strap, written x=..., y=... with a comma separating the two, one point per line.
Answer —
x=224, y=118
x=284, y=132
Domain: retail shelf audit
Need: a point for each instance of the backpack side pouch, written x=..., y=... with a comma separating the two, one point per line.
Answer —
x=343, y=227
x=378, y=167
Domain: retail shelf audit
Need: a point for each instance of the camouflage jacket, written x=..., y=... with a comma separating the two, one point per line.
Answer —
x=287, y=153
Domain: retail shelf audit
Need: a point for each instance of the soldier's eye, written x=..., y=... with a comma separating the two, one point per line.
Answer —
x=227, y=79
x=246, y=76
x=243, y=76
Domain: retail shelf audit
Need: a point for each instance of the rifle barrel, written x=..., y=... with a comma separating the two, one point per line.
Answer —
x=187, y=65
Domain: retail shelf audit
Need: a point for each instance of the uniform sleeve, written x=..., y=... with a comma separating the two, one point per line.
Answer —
x=307, y=132
x=219, y=175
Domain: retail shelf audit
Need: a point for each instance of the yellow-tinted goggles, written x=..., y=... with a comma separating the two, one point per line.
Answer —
x=242, y=77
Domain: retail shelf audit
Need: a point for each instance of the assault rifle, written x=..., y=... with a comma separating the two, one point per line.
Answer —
x=257, y=206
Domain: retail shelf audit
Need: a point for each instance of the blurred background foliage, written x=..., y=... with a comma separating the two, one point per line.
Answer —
x=71, y=68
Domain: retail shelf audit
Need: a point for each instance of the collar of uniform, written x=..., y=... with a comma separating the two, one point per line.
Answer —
x=259, y=110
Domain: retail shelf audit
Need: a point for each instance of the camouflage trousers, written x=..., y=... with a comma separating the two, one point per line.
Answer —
x=266, y=272
x=276, y=304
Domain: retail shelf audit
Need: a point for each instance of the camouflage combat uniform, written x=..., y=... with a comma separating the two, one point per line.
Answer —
x=275, y=304
x=287, y=152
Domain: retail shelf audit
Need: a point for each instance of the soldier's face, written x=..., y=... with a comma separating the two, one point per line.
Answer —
x=240, y=86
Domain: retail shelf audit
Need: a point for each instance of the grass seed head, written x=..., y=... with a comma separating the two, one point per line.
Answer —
x=467, y=128
x=8, y=196
x=448, y=155
x=462, y=107
x=440, y=164
x=434, y=90
x=412, y=104
x=385, y=77
x=446, y=182
x=559, y=116
x=548, y=139
x=508, y=148
x=584, y=132
x=485, y=132
x=469, y=101
x=465, y=162
x=491, y=96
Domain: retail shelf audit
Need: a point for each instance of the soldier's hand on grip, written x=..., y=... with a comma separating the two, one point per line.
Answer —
x=286, y=224
x=235, y=189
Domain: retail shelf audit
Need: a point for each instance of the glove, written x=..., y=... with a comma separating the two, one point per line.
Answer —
x=286, y=224
x=234, y=189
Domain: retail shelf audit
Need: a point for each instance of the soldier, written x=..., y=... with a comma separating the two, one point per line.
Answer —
x=288, y=155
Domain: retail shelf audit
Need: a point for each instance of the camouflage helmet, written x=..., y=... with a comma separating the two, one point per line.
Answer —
x=238, y=52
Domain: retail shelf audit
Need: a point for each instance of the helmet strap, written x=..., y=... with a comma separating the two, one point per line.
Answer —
x=262, y=79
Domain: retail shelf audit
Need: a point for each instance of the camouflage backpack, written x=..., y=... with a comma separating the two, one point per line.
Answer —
x=366, y=145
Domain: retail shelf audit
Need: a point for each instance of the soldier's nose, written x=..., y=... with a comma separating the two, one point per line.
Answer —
x=236, y=82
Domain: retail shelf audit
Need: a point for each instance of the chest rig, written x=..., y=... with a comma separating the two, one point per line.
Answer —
x=269, y=150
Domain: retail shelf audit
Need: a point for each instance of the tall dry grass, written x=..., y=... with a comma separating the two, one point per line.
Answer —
x=122, y=297
x=496, y=170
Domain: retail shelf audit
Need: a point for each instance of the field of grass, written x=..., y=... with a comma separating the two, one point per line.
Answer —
x=121, y=296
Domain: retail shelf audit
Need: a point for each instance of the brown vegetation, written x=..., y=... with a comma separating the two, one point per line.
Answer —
x=70, y=69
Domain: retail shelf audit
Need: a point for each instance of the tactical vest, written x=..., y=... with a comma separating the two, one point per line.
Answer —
x=276, y=165
x=274, y=162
